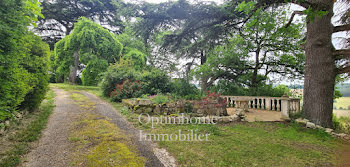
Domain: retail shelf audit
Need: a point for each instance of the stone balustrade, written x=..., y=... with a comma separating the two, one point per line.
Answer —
x=282, y=104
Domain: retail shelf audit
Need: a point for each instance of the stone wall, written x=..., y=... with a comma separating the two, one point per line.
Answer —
x=195, y=108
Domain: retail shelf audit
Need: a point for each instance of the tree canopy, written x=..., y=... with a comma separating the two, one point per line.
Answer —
x=89, y=41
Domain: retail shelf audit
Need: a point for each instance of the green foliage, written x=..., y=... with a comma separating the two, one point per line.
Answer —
x=127, y=89
x=28, y=131
x=63, y=14
x=116, y=74
x=137, y=57
x=230, y=88
x=92, y=42
x=20, y=56
x=263, y=47
x=91, y=75
x=184, y=90
x=155, y=82
x=160, y=99
x=131, y=42
x=311, y=14
x=37, y=64
x=341, y=124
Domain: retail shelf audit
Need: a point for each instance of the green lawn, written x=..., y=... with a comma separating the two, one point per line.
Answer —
x=249, y=144
x=343, y=102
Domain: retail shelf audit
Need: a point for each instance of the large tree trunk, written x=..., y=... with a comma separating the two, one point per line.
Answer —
x=320, y=70
x=74, y=69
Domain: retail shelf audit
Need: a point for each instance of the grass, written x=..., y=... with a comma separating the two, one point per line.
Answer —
x=68, y=87
x=97, y=142
x=248, y=144
x=24, y=132
x=342, y=102
x=341, y=124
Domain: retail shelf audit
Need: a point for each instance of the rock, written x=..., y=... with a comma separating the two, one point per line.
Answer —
x=310, y=125
x=328, y=130
x=342, y=135
x=347, y=137
x=157, y=110
x=319, y=127
x=301, y=121
x=145, y=102
x=226, y=119
x=235, y=117
x=240, y=112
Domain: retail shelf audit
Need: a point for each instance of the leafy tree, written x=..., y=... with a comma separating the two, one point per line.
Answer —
x=261, y=48
x=131, y=42
x=323, y=63
x=190, y=30
x=181, y=88
x=61, y=15
x=88, y=41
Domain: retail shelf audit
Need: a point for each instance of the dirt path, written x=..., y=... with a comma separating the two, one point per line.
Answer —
x=54, y=149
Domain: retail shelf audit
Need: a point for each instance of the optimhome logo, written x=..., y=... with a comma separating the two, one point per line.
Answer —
x=190, y=135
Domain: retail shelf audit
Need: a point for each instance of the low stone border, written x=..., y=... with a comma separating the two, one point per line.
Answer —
x=16, y=116
x=330, y=131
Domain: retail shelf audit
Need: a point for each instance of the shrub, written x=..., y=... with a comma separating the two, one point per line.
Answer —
x=160, y=99
x=155, y=82
x=91, y=74
x=184, y=90
x=127, y=89
x=212, y=98
x=37, y=64
x=341, y=124
x=137, y=57
x=116, y=74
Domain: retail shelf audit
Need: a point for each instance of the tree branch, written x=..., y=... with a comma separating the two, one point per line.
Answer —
x=342, y=54
x=345, y=27
x=292, y=17
x=344, y=70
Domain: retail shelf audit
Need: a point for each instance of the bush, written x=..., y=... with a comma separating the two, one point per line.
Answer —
x=127, y=89
x=160, y=99
x=137, y=57
x=184, y=90
x=91, y=74
x=116, y=74
x=37, y=64
x=341, y=124
x=228, y=88
x=155, y=82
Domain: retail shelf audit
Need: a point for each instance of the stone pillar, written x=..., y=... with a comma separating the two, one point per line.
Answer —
x=297, y=106
x=268, y=103
x=285, y=108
